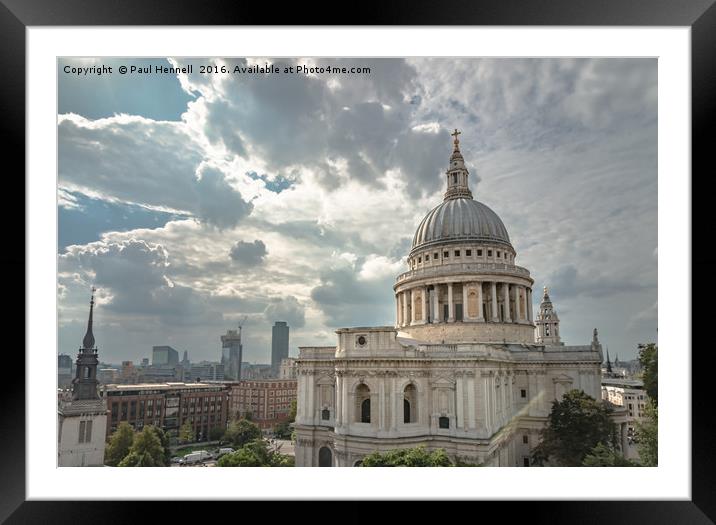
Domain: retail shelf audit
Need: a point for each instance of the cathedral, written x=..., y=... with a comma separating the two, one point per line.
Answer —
x=467, y=367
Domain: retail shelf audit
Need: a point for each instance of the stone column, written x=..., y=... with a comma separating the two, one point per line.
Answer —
x=436, y=306
x=345, y=399
x=311, y=399
x=338, y=416
x=406, y=298
x=459, y=409
x=471, y=401
x=424, y=300
x=493, y=287
x=480, y=316
x=394, y=404
x=506, y=299
x=381, y=405
x=399, y=310
x=465, y=317
x=529, y=304
x=451, y=306
x=412, y=307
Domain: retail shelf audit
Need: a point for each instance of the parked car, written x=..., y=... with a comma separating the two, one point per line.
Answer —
x=197, y=456
x=176, y=459
x=224, y=451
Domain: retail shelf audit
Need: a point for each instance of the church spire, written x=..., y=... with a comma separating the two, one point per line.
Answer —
x=609, y=363
x=547, y=322
x=84, y=385
x=88, y=341
x=457, y=173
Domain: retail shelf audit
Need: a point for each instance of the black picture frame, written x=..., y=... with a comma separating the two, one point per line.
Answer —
x=699, y=15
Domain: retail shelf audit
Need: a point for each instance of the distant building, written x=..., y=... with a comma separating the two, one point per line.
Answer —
x=168, y=406
x=145, y=361
x=279, y=345
x=257, y=371
x=288, y=368
x=185, y=363
x=161, y=374
x=64, y=370
x=128, y=374
x=627, y=393
x=206, y=371
x=231, y=354
x=107, y=375
x=164, y=356
x=266, y=401
x=83, y=419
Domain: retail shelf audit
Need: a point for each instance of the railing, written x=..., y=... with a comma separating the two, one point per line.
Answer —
x=454, y=268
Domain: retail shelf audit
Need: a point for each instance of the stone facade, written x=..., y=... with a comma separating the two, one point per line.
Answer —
x=460, y=370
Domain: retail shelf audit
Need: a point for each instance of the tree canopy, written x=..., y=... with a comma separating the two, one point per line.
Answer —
x=119, y=444
x=408, y=457
x=606, y=456
x=649, y=361
x=146, y=450
x=241, y=432
x=575, y=426
x=647, y=436
x=256, y=454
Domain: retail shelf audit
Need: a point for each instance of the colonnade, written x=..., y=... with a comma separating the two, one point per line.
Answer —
x=469, y=301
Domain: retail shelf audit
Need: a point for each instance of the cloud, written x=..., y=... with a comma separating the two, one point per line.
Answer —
x=153, y=163
x=286, y=309
x=248, y=253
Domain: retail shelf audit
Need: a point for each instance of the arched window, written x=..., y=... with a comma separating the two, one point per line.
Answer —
x=410, y=404
x=362, y=410
x=325, y=457
x=365, y=411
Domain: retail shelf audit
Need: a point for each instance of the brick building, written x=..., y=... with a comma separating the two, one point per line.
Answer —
x=169, y=406
x=267, y=400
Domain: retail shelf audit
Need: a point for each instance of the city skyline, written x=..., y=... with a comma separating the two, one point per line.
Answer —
x=284, y=222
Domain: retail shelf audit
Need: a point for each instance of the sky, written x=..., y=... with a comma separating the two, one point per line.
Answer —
x=195, y=201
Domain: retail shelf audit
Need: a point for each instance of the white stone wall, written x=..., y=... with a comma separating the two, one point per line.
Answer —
x=72, y=453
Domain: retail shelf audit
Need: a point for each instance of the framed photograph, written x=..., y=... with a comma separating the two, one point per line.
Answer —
x=413, y=244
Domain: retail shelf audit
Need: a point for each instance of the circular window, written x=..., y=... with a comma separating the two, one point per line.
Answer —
x=361, y=340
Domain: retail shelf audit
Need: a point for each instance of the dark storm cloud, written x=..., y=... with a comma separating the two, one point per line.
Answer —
x=248, y=253
x=286, y=309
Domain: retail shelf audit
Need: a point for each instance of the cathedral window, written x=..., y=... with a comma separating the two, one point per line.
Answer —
x=525, y=439
x=444, y=422
x=454, y=178
x=446, y=254
x=457, y=253
x=326, y=414
x=498, y=254
x=523, y=393
x=362, y=404
x=410, y=404
x=468, y=253
x=489, y=253
x=479, y=253
x=427, y=256
x=435, y=256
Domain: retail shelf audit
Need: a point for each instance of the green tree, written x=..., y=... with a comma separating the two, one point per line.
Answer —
x=216, y=433
x=146, y=450
x=186, y=433
x=119, y=444
x=292, y=413
x=649, y=361
x=282, y=430
x=647, y=436
x=242, y=432
x=164, y=440
x=256, y=454
x=606, y=456
x=408, y=457
x=576, y=425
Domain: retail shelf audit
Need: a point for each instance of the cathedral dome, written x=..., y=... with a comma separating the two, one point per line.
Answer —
x=460, y=219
